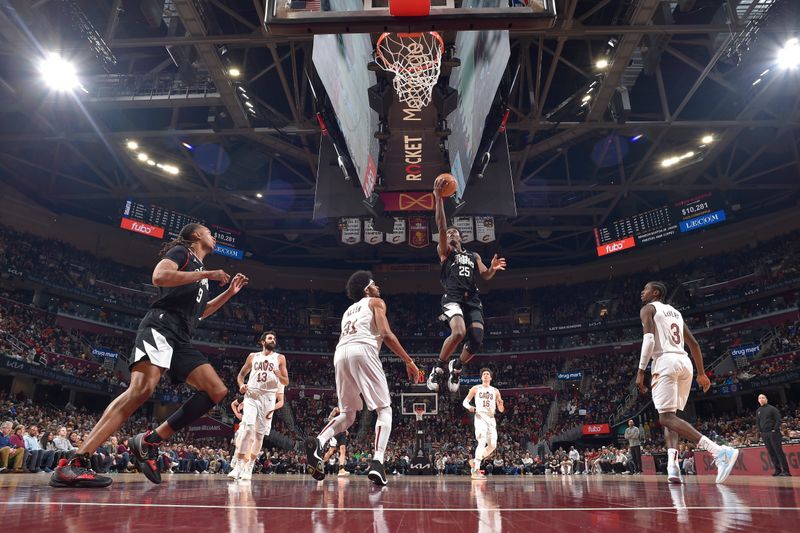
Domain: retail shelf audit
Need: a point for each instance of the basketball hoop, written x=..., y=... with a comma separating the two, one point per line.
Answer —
x=416, y=60
x=419, y=411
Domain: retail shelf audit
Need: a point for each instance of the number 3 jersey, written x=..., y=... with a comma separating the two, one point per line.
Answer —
x=358, y=327
x=264, y=375
x=669, y=331
x=185, y=302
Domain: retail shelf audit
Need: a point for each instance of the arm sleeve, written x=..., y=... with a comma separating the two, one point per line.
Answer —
x=648, y=344
x=178, y=255
x=466, y=403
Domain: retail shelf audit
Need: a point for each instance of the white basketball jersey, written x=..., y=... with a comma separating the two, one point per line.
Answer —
x=669, y=330
x=264, y=374
x=485, y=401
x=358, y=326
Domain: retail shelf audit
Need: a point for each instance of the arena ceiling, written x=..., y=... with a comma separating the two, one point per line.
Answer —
x=690, y=68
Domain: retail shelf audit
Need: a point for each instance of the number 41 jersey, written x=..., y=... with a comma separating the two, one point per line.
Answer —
x=358, y=327
x=669, y=330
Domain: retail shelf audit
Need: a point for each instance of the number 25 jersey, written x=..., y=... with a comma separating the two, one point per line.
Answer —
x=669, y=330
x=358, y=327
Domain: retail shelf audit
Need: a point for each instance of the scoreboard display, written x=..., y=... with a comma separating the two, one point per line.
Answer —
x=162, y=223
x=659, y=224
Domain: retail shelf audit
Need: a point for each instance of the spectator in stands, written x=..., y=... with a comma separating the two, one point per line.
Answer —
x=38, y=459
x=62, y=442
x=11, y=456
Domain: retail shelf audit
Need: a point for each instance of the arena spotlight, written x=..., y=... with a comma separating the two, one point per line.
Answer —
x=707, y=139
x=789, y=55
x=234, y=72
x=601, y=63
x=637, y=137
x=171, y=169
x=187, y=145
x=142, y=156
x=58, y=73
x=132, y=145
x=259, y=195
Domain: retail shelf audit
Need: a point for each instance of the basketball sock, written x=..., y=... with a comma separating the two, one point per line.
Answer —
x=457, y=364
x=340, y=423
x=195, y=407
x=383, y=427
x=672, y=456
x=479, y=454
x=708, y=445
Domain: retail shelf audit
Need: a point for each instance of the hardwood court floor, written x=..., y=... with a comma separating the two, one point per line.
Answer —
x=298, y=504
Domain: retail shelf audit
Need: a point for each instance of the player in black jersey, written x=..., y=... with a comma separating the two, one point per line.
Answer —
x=163, y=344
x=461, y=306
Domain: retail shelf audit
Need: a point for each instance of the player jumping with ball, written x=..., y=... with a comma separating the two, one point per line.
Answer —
x=461, y=306
x=487, y=400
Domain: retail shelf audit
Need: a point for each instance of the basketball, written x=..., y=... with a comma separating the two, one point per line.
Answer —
x=450, y=187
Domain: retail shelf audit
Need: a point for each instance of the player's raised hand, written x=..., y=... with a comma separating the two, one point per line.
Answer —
x=412, y=371
x=498, y=263
x=704, y=382
x=219, y=275
x=238, y=282
x=438, y=186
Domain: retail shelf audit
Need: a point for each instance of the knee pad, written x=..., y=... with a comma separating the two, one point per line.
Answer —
x=474, y=339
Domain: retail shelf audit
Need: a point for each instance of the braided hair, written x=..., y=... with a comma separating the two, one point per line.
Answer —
x=661, y=288
x=184, y=238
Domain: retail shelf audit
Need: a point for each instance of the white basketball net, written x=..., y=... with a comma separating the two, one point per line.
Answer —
x=415, y=59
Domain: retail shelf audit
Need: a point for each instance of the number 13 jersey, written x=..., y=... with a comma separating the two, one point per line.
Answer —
x=669, y=330
x=263, y=375
x=358, y=327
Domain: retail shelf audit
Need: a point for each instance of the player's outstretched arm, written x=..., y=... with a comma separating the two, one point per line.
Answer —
x=442, y=247
x=166, y=274
x=246, y=367
x=498, y=263
x=470, y=395
x=648, y=343
x=378, y=307
x=501, y=406
x=283, y=373
x=238, y=283
x=697, y=355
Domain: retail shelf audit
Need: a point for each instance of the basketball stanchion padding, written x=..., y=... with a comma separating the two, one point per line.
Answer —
x=410, y=8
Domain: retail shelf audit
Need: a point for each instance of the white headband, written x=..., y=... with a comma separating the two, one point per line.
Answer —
x=371, y=282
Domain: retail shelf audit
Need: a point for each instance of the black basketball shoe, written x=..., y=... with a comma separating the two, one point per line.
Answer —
x=376, y=473
x=77, y=473
x=146, y=454
x=316, y=466
x=434, y=377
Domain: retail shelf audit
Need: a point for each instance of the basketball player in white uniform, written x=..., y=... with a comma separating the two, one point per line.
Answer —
x=664, y=337
x=263, y=395
x=359, y=372
x=487, y=400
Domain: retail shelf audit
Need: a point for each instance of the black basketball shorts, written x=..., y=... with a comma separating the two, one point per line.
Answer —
x=159, y=342
x=468, y=307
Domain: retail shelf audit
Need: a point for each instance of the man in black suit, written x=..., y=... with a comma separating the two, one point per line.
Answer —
x=769, y=424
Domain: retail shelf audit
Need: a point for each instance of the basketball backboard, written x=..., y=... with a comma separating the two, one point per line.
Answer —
x=410, y=400
x=304, y=17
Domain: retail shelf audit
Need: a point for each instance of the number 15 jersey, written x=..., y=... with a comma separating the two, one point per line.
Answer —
x=358, y=327
x=669, y=330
